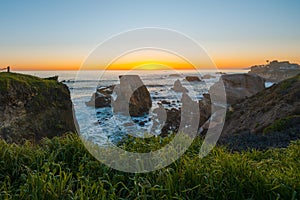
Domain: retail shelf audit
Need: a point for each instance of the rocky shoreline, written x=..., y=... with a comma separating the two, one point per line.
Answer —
x=257, y=117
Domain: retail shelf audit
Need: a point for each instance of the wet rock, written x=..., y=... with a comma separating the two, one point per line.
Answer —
x=192, y=79
x=142, y=123
x=101, y=98
x=165, y=102
x=132, y=96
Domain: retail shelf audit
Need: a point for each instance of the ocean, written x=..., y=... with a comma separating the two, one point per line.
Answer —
x=101, y=125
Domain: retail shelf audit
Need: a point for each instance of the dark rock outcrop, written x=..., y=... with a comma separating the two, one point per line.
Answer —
x=238, y=86
x=276, y=71
x=193, y=79
x=205, y=109
x=102, y=97
x=172, y=122
x=32, y=108
x=185, y=119
x=132, y=96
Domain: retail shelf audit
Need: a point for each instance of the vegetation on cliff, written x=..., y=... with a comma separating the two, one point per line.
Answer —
x=269, y=118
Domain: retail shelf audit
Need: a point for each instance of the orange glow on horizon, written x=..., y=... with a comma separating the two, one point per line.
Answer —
x=142, y=65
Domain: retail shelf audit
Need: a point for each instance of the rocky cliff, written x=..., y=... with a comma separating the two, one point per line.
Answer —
x=32, y=108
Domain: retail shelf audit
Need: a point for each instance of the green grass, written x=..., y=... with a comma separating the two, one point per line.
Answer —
x=282, y=124
x=41, y=90
x=8, y=80
x=61, y=168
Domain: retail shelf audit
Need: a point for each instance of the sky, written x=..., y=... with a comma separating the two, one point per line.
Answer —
x=59, y=35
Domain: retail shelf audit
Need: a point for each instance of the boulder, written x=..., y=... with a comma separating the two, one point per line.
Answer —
x=192, y=79
x=102, y=97
x=131, y=96
x=238, y=86
x=32, y=108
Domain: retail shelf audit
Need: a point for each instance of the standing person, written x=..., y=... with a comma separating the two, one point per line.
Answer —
x=8, y=68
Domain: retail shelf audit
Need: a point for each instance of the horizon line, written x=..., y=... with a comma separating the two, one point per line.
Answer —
x=227, y=68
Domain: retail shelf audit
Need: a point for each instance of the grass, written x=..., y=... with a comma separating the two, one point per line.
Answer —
x=61, y=168
x=282, y=124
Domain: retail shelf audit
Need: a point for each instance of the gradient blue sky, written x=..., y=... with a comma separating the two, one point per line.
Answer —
x=60, y=34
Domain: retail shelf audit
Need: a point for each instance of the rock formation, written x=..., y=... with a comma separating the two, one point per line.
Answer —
x=130, y=97
x=238, y=86
x=32, y=108
x=276, y=71
x=102, y=97
x=192, y=79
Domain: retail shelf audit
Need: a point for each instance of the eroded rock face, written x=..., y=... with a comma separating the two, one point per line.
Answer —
x=32, y=108
x=130, y=97
x=276, y=71
x=238, y=86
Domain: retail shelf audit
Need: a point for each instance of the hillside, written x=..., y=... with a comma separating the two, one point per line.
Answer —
x=271, y=118
x=32, y=108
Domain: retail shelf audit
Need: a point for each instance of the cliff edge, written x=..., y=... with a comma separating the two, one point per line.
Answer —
x=32, y=108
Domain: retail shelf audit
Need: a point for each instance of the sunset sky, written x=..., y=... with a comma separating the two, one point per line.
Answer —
x=59, y=35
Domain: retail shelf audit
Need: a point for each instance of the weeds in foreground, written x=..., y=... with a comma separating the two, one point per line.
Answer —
x=61, y=168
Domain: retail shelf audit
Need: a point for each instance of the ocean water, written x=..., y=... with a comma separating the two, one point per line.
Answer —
x=101, y=125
